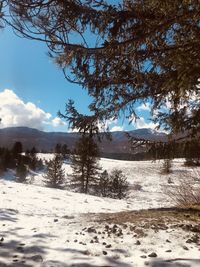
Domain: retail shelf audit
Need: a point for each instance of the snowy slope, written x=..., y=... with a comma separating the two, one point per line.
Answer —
x=50, y=227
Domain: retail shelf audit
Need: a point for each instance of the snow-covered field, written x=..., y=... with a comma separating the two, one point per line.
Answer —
x=40, y=226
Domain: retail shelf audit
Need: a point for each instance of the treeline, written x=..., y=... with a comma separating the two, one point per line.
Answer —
x=22, y=163
x=190, y=150
x=87, y=176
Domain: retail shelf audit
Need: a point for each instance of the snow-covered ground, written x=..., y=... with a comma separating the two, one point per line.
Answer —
x=41, y=226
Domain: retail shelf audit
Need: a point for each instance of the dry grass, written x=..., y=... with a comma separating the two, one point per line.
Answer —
x=186, y=193
x=150, y=217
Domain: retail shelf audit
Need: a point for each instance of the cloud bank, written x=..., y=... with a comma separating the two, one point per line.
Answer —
x=141, y=124
x=15, y=112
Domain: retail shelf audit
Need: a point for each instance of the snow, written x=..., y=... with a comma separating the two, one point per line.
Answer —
x=48, y=223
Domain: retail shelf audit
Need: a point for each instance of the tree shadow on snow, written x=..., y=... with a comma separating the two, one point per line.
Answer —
x=25, y=253
x=84, y=264
x=8, y=215
x=15, y=264
x=178, y=262
x=116, y=262
x=18, y=251
x=10, y=248
x=83, y=260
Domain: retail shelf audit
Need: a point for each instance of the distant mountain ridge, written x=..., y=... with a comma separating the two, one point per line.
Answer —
x=46, y=141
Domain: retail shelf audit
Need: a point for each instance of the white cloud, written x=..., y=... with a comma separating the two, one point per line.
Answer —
x=15, y=112
x=70, y=130
x=141, y=124
x=117, y=128
x=58, y=122
x=111, y=124
x=144, y=107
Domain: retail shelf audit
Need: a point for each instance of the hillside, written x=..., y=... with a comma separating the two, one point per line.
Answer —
x=43, y=227
x=47, y=140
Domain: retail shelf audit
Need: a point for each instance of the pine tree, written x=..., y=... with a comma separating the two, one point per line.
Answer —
x=65, y=151
x=55, y=176
x=40, y=164
x=58, y=148
x=33, y=159
x=85, y=164
x=86, y=154
x=192, y=152
x=104, y=184
x=17, y=149
x=33, y=150
x=144, y=50
x=8, y=160
x=21, y=172
x=119, y=184
x=2, y=168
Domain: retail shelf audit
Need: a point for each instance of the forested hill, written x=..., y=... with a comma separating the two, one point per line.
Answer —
x=46, y=141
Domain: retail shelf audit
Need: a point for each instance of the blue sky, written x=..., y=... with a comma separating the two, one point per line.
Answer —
x=37, y=89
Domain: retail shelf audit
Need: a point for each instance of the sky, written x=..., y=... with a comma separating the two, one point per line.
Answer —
x=33, y=89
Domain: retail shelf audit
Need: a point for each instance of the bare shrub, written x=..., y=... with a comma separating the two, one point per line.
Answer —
x=137, y=187
x=185, y=194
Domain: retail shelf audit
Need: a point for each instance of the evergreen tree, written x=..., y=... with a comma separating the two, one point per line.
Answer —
x=144, y=51
x=192, y=152
x=65, y=151
x=119, y=184
x=2, y=168
x=58, y=149
x=55, y=176
x=27, y=152
x=8, y=161
x=33, y=151
x=85, y=164
x=104, y=184
x=21, y=172
x=86, y=154
x=40, y=164
x=17, y=149
x=33, y=159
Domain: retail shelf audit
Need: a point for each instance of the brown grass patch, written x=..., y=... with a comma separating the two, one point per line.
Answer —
x=147, y=218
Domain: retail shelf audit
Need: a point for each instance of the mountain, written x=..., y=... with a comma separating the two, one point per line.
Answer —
x=46, y=141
